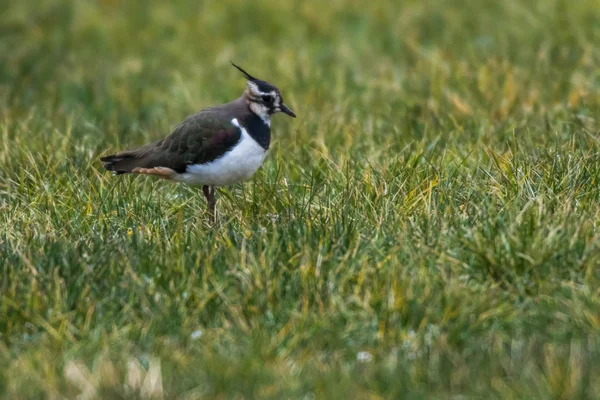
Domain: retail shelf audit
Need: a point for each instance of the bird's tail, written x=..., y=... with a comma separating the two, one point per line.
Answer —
x=122, y=163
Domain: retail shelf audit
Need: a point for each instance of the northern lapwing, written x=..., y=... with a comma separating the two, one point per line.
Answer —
x=217, y=146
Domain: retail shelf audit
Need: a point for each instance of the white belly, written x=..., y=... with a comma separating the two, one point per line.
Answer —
x=237, y=165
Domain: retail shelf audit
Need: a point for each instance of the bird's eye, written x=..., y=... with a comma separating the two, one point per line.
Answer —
x=267, y=99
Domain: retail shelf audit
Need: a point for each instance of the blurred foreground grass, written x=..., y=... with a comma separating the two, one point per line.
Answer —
x=427, y=227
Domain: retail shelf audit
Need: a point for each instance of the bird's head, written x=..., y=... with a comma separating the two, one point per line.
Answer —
x=263, y=98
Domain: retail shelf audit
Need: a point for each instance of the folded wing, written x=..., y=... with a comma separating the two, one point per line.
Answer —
x=200, y=138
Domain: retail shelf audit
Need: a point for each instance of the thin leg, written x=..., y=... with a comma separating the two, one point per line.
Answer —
x=210, y=198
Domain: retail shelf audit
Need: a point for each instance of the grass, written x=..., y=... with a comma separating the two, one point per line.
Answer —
x=426, y=228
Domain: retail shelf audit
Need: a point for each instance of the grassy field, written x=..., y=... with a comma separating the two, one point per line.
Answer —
x=428, y=227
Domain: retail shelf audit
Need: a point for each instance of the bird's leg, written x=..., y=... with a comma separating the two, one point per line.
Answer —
x=210, y=198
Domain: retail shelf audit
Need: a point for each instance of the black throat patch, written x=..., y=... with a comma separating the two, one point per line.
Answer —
x=258, y=130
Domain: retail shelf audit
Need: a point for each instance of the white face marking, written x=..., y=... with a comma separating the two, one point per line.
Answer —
x=260, y=109
x=253, y=88
x=237, y=165
x=277, y=102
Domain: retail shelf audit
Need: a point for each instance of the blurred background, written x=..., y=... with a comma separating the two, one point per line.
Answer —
x=132, y=66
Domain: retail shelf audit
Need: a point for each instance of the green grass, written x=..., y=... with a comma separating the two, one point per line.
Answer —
x=428, y=227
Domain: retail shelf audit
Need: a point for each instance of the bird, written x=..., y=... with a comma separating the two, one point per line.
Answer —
x=217, y=146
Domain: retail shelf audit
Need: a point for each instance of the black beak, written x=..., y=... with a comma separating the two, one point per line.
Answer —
x=286, y=110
